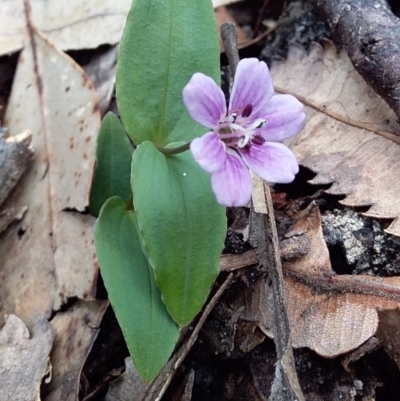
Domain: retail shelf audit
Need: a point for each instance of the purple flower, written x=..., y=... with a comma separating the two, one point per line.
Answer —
x=245, y=136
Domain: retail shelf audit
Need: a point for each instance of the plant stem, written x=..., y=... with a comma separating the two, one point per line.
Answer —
x=174, y=151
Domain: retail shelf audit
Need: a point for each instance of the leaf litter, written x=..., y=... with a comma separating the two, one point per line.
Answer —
x=75, y=331
x=351, y=135
x=50, y=256
x=338, y=127
x=24, y=358
x=69, y=28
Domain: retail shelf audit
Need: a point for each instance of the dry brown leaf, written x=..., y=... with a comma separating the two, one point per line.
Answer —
x=10, y=215
x=389, y=332
x=184, y=393
x=129, y=386
x=331, y=314
x=102, y=73
x=50, y=256
x=332, y=324
x=24, y=359
x=15, y=156
x=70, y=26
x=326, y=314
x=351, y=135
x=75, y=331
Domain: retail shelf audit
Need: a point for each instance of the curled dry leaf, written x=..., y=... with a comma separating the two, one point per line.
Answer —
x=101, y=71
x=331, y=314
x=71, y=26
x=351, y=135
x=129, y=386
x=389, y=332
x=24, y=359
x=16, y=154
x=50, y=256
x=75, y=331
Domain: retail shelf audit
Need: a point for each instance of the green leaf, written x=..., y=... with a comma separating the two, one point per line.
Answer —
x=113, y=164
x=149, y=331
x=182, y=225
x=164, y=43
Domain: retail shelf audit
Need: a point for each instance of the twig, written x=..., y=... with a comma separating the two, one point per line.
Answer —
x=260, y=17
x=371, y=35
x=229, y=40
x=158, y=387
x=264, y=236
x=258, y=38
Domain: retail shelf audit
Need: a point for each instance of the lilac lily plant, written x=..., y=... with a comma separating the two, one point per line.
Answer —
x=247, y=134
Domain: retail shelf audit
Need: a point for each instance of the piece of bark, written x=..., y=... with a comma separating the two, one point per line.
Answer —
x=370, y=34
x=264, y=237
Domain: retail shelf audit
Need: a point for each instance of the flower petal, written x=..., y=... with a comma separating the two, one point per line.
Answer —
x=209, y=152
x=273, y=162
x=232, y=183
x=252, y=86
x=285, y=118
x=204, y=100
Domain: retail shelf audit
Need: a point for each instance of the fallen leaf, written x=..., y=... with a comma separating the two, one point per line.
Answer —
x=389, y=332
x=184, y=393
x=15, y=156
x=101, y=70
x=75, y=331
x=351, y=135
x=328, y=313
x=11, y=214
x=69, y=26
x=331, y=314
x=50, y=256
x=369, y=346
x=24, y=359
x=129, y=386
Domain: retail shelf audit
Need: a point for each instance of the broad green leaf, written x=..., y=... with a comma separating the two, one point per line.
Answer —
x=182, y=225
x=149, y=331
x=113, y=164
x=164, y=43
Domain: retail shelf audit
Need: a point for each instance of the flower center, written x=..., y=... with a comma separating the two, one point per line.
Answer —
x=236, y=130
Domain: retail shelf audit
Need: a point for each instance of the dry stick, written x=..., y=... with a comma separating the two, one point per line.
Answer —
x=264, y=236
x=371, y=35
x=258, y=38
x=260, y=17
x=286, y=386
x=229, y=39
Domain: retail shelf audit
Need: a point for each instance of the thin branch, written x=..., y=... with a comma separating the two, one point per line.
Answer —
x=370, y=34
